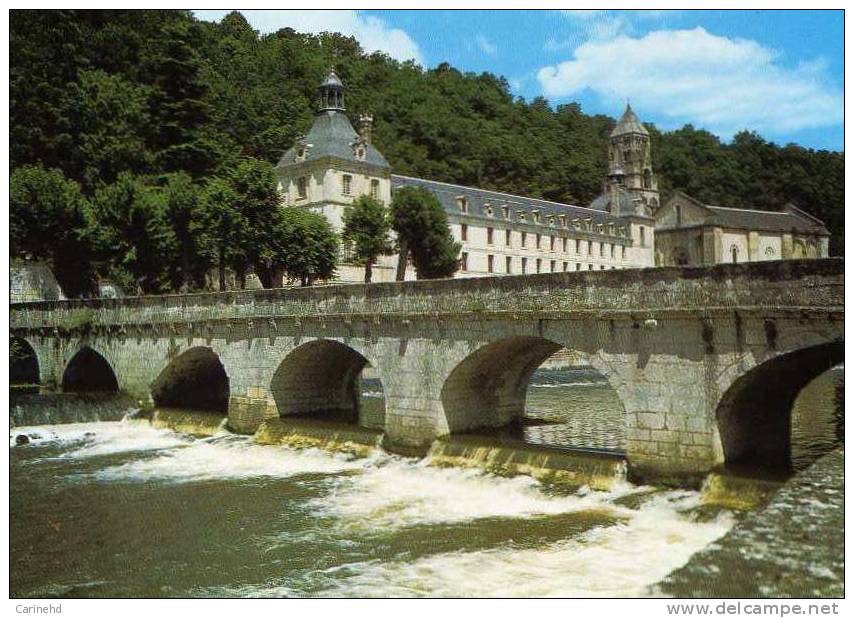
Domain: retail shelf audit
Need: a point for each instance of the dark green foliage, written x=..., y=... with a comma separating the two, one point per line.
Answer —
x=98, y=93
x=216, y=226
x=306, y=246
x=133, y=239
x=47, y=222
x=422, y=230
x=366, y=232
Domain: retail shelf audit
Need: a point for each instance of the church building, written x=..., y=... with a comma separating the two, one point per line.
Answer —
x=502, y=234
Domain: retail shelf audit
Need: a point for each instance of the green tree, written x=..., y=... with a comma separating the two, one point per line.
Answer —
x=183, y=201
x=306, y=246
x=366, y=232
x=129, y=228
x=46, y=222
x=216, y=226
x=422, y=230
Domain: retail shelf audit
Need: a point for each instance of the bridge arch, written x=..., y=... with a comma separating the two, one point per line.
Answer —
x=89, y=371
x=754, y=414
x=320, y=377
x=194, y=379
x=489, y=388
x=24, y=365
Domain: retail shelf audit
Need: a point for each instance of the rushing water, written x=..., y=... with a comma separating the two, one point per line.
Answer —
x=133, y=508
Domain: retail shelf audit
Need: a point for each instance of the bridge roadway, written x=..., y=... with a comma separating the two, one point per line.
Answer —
x=706, y=361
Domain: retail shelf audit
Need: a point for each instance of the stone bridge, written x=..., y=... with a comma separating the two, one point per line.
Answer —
x=706, y=361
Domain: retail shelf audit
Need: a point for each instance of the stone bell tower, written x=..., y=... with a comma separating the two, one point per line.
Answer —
x=630, y=164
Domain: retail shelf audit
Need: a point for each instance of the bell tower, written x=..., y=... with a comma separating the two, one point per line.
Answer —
x=630, y=163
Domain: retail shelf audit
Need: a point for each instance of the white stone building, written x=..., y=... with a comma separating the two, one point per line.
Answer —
x=503, y=234
x=327, y=169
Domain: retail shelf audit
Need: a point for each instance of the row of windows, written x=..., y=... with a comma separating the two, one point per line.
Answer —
x=554, y=266
x=346, y=187
x=553, y=220
x=555, y=243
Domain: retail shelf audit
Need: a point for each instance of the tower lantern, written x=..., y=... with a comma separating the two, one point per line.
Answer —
x=331, y=94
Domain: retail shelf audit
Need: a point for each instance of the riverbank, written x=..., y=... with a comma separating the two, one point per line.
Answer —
x=793, y=548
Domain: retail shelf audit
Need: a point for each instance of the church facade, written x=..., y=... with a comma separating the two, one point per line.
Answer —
x=501, y=234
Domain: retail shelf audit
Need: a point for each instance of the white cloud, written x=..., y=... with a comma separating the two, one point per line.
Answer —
x=373, y=33
x=718, y=83
x=486, y=46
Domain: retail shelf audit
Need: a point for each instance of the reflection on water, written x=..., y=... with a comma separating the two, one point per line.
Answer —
x=818, y=418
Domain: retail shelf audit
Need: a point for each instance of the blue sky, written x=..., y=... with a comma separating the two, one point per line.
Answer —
x=779, y=73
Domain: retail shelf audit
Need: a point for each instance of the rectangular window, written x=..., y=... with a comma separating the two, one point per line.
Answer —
x=489, y=236
x=642, y=236
x=565, y=241
x=375, y=189
x=464, y=231
x=624, y=252
x=538, y=241
x=539, y=264
x=589, y=247
x=464, y=261
x=553, y=265
x=302, y=187
x=565, y=266
x=552, y=244
x=578, y=266
x=601, y=249
x=601, y=267
x=490, y=262
x=524, y=265
x=346, y=183
x=507, y=237
x=613, y=249
x=508, y=264
x=590, y=267
x=524, y=238
x=577, y=245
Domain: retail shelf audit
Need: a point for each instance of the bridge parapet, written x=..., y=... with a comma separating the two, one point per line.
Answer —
x=630, y=294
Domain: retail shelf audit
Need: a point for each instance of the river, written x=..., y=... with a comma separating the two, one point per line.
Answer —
x=124, y=508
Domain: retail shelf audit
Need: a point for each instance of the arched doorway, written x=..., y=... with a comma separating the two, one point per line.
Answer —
x=537, y=392
x=88, y=372
x=196, y=380
x=23, y=363
x=754, y=416
x=323, y=379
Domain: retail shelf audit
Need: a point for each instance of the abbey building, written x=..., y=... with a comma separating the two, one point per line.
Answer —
x=501, y=234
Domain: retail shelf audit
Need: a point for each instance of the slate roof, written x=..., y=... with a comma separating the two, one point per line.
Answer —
x=629, y=123
x=478, y=198
x=332, y=135
x=781, y=221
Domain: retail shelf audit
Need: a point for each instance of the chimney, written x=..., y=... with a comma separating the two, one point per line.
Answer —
x=366, y=123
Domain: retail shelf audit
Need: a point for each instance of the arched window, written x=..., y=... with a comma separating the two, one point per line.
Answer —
x=647, y=179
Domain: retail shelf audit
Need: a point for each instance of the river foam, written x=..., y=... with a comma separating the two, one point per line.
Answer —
x=622, y=560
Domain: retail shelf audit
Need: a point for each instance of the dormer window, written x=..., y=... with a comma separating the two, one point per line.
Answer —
x=360, y=154
x=576, y=223
x=487, y=210
x=463, y=204
x=562, y=219
x=522, y=216
x=505, y=211
x=551, y=220
x=301, y=154
x=536, y=216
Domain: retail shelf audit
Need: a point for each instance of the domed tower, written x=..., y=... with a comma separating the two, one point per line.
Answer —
x=630, y=163
x=327, y=169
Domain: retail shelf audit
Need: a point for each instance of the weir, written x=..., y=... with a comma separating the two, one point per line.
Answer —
x=679, y=346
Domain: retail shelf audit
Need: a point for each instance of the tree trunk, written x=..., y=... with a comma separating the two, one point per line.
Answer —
x=368, y=270
x=221, y=270
x=401, y=262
